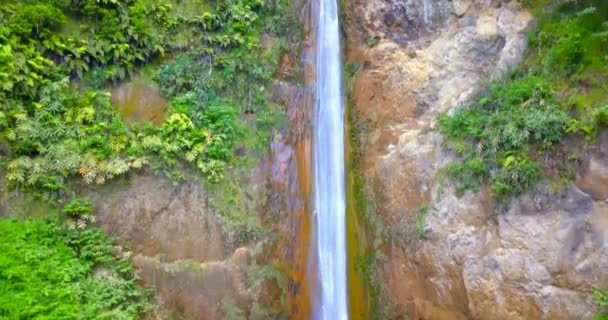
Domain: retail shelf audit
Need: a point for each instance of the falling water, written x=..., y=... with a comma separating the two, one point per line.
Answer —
x=329, y=181
x=426, y=12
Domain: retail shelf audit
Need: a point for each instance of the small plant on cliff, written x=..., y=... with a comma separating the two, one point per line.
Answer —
x=230, y=310
x=372, y=42
x=420, y=219
x=601, y=298
x=79, y=212
x=369, y=256
x=410, y=230
x=506, y=136
x=492, y=136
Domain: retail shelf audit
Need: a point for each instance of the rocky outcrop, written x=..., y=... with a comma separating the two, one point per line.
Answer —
x=156, y=216
x=535, y=258
x=550, y=250
x=199, y=289
x=593, y=178
x=181, y=247
x=400, y=90
x=178, y=243
x=402, y=20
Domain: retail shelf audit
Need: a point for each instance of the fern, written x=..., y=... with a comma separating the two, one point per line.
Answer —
x=51, y=272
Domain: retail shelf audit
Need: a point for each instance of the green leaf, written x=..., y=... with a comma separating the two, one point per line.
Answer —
x=508, y=161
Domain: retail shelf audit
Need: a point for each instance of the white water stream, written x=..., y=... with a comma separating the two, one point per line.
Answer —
x=329, y=174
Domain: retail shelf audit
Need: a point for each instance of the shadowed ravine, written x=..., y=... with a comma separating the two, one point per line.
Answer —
x=328, y=151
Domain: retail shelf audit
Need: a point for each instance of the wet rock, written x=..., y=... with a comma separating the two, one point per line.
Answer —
x=512, y=53
x=179, y=243
x=512, y=26
x=594, y=179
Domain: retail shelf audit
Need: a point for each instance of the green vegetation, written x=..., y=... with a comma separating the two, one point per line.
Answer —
x=257, y=277
x=505, y=135
x=366, y=231
x=602, y=302
x=48, y=271
x=410, y=230
x=372, y=42
x=501, y=128
x=238, y=208
x=212, y=60
x=420, y=218
x=368, y=259
x=80, y=213
x=56, y=55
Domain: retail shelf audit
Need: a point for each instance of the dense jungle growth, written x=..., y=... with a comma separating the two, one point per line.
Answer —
x=50, y=271
x=58, y=127
x=56, y=121
x=515, y=133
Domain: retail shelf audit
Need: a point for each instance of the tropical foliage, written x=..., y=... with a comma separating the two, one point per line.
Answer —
x=50, y=272
x=58, y=126
x=68, y=133
x=506, y=132
x=601, y=297
x=56, y=55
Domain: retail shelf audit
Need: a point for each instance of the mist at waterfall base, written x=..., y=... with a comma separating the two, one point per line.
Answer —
x=328, y=163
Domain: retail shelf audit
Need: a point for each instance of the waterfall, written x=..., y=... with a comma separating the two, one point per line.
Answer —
x=329, y=179
x=426, y=12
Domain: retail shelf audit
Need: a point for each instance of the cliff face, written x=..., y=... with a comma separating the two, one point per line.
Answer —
x=470, y=257
x=226, y=250
x=186, y=250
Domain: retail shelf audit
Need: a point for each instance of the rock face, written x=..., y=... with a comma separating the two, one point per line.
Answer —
x=536, y=258
x=593, y=179
x=401, y=20
x=178, y=243
x=152, y=216
x=180, y=246
x=201, y=290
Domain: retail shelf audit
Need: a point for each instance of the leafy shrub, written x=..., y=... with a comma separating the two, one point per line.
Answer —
x=546, y=127
x=78, y=207
x=48, y=272
x=515, y=177
x=117, y=35
x=56, y=130
x=231, y=310
x=512, y=115
x=71, y=133
x=559, y=89
x=469, y=174
x=600, y=116
x=205, y=96
x=79, y=212
x=185, y=75
x=420, y=218
x=601, y=297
